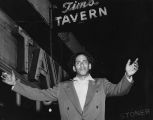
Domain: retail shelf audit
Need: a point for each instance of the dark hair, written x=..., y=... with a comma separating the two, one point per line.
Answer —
x=73, y=58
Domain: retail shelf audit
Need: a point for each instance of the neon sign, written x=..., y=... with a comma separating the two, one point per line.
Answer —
x=72, y=13
x=70, y=6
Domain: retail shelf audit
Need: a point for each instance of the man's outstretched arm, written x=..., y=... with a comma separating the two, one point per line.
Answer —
x=125, y=84
x=29, y=92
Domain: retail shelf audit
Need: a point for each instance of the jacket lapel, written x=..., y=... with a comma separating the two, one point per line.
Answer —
x=71, y=93
x=90, y=94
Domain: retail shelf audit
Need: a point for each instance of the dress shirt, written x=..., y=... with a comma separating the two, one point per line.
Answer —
x=81, y=87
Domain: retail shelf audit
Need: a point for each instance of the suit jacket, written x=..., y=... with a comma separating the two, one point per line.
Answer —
x=69, y=105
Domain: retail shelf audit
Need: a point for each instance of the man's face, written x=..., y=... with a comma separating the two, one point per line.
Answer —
x=82, y=65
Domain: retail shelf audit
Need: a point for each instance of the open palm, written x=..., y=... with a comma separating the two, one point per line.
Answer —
x=131, y=69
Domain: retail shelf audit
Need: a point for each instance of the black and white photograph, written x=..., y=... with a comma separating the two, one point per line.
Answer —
x=76, y=59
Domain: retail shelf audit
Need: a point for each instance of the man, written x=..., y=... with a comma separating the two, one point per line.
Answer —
x=82, y=98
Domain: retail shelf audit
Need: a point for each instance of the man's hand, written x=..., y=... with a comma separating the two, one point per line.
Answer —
x=8, y=78
x=131, y=69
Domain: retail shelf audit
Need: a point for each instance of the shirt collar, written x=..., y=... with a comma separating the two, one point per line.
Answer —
x=89, y=77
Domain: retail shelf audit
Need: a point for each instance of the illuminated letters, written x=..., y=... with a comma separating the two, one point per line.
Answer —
x=81, y=16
